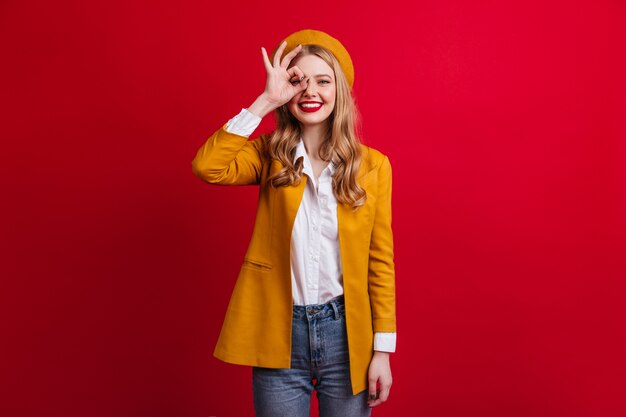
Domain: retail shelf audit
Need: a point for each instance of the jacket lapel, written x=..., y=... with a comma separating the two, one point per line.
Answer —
x=292, y=198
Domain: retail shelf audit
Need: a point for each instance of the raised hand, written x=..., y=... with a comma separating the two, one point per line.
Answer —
x=282, y=83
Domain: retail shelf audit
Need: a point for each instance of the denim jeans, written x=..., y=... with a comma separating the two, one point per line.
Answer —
x=319, y=351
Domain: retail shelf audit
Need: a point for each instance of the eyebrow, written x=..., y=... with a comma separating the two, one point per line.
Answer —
x=322, y=75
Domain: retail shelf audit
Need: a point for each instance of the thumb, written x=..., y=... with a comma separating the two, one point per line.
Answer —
x=300, y=86
x=303, y=84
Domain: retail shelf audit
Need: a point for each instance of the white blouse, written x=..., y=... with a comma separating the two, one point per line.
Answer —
x=316, y=273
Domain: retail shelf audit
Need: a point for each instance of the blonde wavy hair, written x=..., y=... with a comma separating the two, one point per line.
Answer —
x=341, y=145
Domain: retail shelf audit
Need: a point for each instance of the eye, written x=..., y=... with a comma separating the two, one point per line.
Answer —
x=325, y=81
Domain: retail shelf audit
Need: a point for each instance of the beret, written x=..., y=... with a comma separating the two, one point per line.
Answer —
x=317, y=37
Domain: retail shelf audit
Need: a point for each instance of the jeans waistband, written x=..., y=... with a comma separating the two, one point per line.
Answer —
x=333, y=307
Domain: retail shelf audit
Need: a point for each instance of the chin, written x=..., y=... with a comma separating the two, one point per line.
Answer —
x=313, y=122
x=318, y=118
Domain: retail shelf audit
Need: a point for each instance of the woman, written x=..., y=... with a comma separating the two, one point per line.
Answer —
x=315, y=296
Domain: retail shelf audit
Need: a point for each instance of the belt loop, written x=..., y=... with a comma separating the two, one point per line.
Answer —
x=334, y=304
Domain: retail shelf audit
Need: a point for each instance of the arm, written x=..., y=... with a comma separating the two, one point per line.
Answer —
x=381, y=279
x=227, y=157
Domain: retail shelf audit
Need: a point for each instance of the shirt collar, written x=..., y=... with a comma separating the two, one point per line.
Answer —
x=301, y=151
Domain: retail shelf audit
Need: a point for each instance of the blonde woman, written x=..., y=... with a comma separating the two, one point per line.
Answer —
x=313, y=307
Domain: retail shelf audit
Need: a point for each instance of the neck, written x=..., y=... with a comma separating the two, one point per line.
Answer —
x=313, y=136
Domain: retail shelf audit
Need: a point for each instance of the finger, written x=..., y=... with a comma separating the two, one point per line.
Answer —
x=305, y=84
x=372, y=389
x=295, y=72
x=298, y=88
x=266, y=60
x=298, y=75
x=279, y=53
x=376, y=402
x=287, y=58
x=384, y=393
x=301, y=86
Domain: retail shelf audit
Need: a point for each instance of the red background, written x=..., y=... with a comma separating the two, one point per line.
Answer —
x=505, y=127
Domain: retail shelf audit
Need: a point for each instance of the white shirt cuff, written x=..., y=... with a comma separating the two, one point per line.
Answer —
x=385, y=342
x=244, y=123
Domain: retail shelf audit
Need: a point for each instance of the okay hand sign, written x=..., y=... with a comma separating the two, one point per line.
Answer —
x=282, y=83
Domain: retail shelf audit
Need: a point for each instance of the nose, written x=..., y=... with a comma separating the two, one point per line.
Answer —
x=310, y=88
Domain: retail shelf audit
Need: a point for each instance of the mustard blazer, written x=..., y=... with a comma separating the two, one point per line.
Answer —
x=257, y=327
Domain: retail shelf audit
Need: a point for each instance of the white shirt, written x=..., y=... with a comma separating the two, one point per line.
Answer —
x=316, y=272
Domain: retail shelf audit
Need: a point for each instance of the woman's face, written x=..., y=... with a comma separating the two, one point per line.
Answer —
x=320, y=92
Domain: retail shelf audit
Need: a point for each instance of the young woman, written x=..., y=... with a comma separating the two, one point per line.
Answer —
x=315, y=296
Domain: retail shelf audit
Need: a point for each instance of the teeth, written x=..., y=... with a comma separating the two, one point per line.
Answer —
x=311, y=106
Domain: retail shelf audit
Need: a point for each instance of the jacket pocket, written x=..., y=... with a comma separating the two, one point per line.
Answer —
x=256, y=264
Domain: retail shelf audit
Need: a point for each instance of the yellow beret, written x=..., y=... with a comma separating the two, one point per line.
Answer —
x=317, y=37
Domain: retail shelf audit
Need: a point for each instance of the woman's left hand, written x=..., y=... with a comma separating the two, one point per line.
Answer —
x=379, y=374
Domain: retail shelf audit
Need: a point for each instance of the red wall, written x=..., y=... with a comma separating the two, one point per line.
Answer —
x=505, y=126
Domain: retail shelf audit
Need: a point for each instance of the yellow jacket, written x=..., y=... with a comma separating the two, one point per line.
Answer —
x=257, y=327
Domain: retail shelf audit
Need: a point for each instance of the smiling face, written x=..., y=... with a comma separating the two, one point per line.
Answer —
x=315, y=104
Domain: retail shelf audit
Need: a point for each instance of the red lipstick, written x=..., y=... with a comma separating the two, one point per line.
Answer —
x=310, y=109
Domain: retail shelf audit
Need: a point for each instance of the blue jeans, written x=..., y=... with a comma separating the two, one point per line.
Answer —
x=319, y=351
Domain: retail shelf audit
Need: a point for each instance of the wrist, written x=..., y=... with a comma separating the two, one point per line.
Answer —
x=262, y=106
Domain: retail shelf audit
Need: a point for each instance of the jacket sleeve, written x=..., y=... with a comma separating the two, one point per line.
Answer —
x=230, y=159
x=381, y=277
